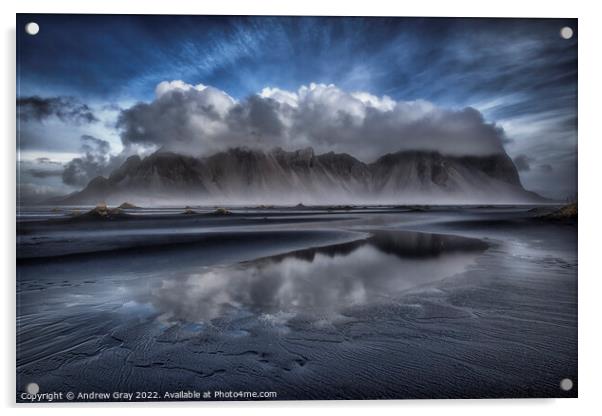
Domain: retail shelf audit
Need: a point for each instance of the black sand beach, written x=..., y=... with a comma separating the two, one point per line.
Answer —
x=307, y=302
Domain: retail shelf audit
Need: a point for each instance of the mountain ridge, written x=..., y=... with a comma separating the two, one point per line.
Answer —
x=246, y=175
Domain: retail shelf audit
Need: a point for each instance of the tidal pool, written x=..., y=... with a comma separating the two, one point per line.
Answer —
x=318, y=283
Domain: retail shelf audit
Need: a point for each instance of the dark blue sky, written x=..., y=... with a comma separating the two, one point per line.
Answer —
x=518, y=72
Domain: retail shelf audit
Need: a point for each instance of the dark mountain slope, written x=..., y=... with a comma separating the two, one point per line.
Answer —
x=243, y=175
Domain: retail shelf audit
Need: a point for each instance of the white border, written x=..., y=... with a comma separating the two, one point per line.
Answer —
x=590, y=178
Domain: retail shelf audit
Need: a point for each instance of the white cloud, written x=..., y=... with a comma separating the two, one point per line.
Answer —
x=384, y=104
x=282, y=96
x=167, y=86
x=201, y=119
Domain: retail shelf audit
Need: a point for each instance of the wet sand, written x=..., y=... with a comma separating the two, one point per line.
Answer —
x=312, y=303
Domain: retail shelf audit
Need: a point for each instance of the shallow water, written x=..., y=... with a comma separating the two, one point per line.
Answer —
x=318, y=283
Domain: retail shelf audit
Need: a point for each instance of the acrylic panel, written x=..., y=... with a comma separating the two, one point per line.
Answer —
x=295, y=207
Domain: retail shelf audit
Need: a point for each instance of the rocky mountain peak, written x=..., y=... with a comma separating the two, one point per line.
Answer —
x=278, y=176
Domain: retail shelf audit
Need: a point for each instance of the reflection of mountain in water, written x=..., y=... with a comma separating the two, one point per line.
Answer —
x=403, y=244
x=317, y=283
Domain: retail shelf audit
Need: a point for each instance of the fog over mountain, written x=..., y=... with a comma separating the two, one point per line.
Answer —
x=244, y=176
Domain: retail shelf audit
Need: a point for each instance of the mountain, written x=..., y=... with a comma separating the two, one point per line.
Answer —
x=247, y=176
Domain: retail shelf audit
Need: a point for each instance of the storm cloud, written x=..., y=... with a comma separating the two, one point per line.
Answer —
x=546, y=168
x=203, y=120
x=523, y=163
x=66, y=109
x=94, y=161
x=42, y=173
x=44, y=167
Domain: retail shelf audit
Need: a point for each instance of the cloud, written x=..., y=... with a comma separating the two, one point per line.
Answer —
x=41, y=173
x=93, y=145
x=39, y=168
x=523, y=162
x=546, y=167
x=66, y=109
x=47, y=161
x=201, y=119
x=95, y=161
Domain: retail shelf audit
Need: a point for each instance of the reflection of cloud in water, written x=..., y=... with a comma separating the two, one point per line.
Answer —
x=318, y=282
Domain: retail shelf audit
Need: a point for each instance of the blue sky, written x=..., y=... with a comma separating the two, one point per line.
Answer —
x=519, y=73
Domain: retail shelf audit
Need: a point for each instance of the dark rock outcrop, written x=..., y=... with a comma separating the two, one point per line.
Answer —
x=567, y=213
x=102, y=211
x=127, y=205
